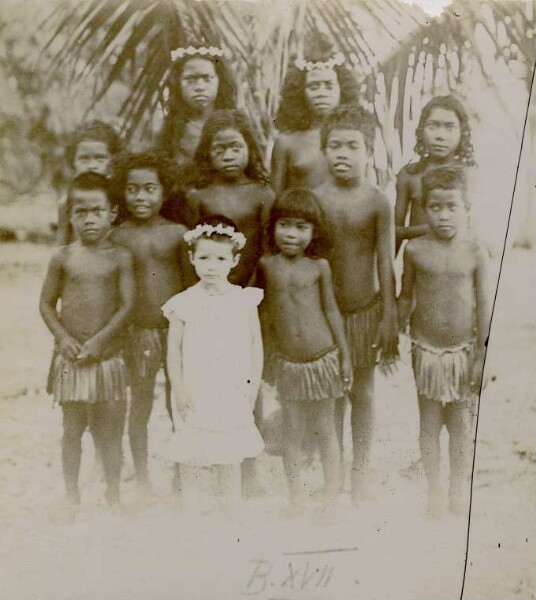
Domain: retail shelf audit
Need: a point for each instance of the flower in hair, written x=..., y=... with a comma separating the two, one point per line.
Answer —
x=334, y=61
x=237, y=238
x=212, y=51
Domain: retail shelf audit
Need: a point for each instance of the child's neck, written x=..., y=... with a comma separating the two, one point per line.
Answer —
x=154, y=220
x=439, y=160
x=221, y=179
x=217, y=287
x=348, y=184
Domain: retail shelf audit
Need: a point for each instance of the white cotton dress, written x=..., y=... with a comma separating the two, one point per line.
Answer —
x=217, y=372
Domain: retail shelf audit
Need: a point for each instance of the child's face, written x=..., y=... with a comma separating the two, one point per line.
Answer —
x=441, y=133
x=91, y=215
x=91, y=156
x=199, y=84
x=346, y=154
x=293, y=236
x=144, y=194
x=446, y=212
x=322, y=91
x=229, y=153
x=213, y=260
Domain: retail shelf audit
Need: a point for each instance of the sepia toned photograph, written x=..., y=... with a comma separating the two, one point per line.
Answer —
x=268, y=299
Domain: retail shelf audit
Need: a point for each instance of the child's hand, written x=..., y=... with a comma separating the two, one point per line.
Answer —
x=69, y=347
x=477, y=380
x=387, y=336
x=184, y=406
x=347, y=375
x=90, y=351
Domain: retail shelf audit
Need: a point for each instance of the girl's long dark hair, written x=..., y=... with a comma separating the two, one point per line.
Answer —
x=300, y=203
x=294, y=114
x=179, y=113
x=218, y=121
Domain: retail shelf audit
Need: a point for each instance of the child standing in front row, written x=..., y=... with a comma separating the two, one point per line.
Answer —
x=304, y=328
x=443, y=138
x=445, y=279
x=360, y=220
x=145, y=180
x=94, y=281
x=215, y=364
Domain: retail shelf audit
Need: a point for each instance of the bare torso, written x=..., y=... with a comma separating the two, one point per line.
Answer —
x=293, y=305
x=247, y=206
x=90, y=291
x=158, y=253
x=444, y=288
x=351, y=215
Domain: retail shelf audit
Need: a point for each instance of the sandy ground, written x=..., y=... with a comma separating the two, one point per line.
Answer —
x=385, y=549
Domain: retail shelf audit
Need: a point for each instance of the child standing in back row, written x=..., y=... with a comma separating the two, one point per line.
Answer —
x=303, y=327
x=215, y=364
x=445, y=291
x=94, y=281
x=360, y=220
x=145, y=180
x=443, y=138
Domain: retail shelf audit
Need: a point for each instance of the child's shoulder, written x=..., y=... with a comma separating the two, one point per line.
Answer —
x=412, y=169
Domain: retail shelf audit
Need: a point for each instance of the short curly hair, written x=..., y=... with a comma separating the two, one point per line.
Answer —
x=447, y=177
x=464, y=152
x=294, y=113
x=300, y=203
x=349, y=117
x=179, y=113
x=122, y=164
x=90, y=181
x=218, y=121
x=95, y=131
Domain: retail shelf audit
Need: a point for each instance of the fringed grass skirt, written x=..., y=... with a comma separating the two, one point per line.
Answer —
x=311, y=381
x=147, y=348
x=88, y=382
x=361, y=329
x=443, y=374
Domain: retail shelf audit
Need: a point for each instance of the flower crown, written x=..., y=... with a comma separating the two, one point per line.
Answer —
x=212, y=51
x=335, y=61
x=239, y=239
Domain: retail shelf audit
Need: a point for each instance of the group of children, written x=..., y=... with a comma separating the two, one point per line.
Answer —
x=293, y=283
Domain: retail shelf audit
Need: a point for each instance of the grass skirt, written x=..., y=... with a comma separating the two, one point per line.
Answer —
x=311, y=381
x=93, y=382
x=443, y=374
x=147, y=348
x=361, y=327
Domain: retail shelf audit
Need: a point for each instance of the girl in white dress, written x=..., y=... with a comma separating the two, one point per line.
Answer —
x=215, y=361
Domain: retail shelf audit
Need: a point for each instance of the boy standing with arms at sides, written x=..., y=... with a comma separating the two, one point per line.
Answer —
x=361, y=223
x=93, y=146
x=94, y=281
x=445, y=290
x=145, y=181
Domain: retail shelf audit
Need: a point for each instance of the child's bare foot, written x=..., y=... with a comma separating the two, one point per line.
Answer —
x=361, y=490
x=435, y=504
x=294, y=509
x=458, y=504
x=327, y=513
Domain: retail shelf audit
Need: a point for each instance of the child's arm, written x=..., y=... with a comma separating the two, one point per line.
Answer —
x=260, y=282
x=257, y=357
x=388, y=330
x=95, y=346
x=402, y=206
x=334, y=319
x=483, y=314
x=279, y=165
x=174, y=366
x=405, y=300
x=50, y=294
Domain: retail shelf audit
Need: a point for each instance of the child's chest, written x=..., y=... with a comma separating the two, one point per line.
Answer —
x=292, y=279
x=241, y=204
x=441, y=263
x=90, y=269
x=305, y=155
x=349, y=215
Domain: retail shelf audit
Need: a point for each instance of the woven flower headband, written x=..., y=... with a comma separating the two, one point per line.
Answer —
x=239, y=239
x=211, y=51
x=335, y=61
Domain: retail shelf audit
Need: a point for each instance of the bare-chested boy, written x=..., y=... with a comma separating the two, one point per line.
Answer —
x=445, y=279
x=94, y=281
x=361, y=223
x=159, y=256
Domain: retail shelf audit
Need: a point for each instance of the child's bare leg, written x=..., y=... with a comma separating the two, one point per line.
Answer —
x=340, y=411
x=229, y=484
x=252, y=484
x=75, y=420
x=362, y=400
x=293, y=429
x=431, y=422
x=107, y=424
x=324, y=419
x=459, y=423
x=140, y=410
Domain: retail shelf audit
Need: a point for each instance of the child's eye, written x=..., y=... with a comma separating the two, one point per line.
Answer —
x=151, y=188
x=131, y=189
